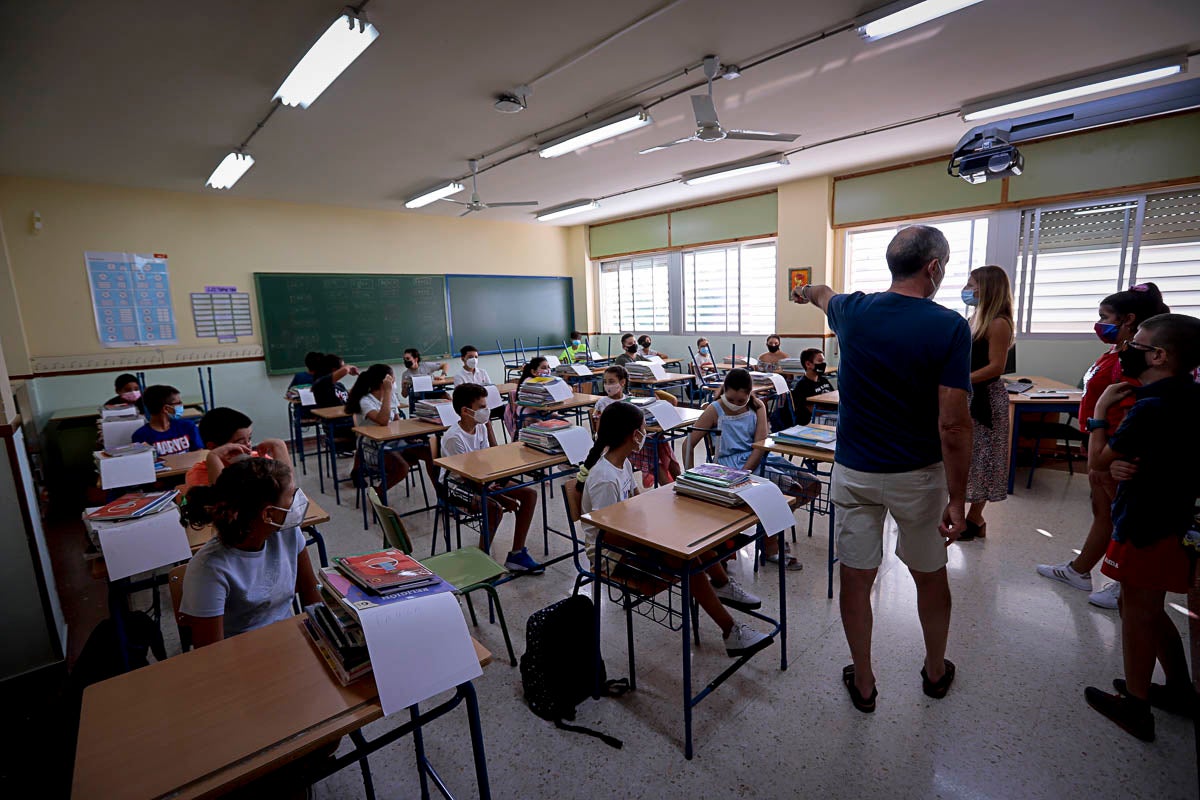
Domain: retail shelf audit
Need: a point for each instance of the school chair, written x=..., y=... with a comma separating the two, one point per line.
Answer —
x=467, y=569
x=636, y=589
x=1054, y=432
x=447, y=507
x=175, y=585
x=709, y=380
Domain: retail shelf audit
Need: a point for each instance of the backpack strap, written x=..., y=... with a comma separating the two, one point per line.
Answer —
x=611, y=741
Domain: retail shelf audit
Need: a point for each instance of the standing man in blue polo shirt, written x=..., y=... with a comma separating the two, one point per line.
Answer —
x=903, y=446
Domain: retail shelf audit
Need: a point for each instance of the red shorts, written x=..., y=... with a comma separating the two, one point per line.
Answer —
x=1163, y=566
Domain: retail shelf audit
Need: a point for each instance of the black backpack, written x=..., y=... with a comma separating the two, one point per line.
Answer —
x=557, y=667
x=101, y=659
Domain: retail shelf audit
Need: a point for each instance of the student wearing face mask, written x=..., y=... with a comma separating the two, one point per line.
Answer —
x=129, y=392
x=629, y=350
x=769, y=361
x=414, y=366
x=245, y=576
x=373, y=401
x=1120, y=316
x=704, y=355
x=471, y=371
x=616, y=388
x=537, y=367
x=810, y=384
x=576, y=352
x=644, y=350
x=167, y=431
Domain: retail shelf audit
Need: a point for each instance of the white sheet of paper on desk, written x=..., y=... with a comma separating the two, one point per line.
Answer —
x=560, y=391
x=666, y=415
x=575, y=441
x=552, y=361
x=131, y=470
x=422, y=383
x=582, y=370
x=494, y=399
x=655, y=359
x=117, y=432
x=418, y=648
x=594, y=356
x=778, y=382
x=144, y=544
x=769, y=505
x=307, y=398
x=659, y=371
x=447, y=414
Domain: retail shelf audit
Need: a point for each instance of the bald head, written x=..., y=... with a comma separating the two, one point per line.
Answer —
x=912, y=248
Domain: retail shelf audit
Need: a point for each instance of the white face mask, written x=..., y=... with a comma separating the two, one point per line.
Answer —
x=295, y=513
x=543, y=373
x=482, y=415
x=472, y=362
x=613, y=389
x=639, y=441
x=733, y=406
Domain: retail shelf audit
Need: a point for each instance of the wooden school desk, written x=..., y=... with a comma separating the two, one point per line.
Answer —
x=205, y=722
x=390, y=437
x=680, y=531
x=482, y=468
x=178, y=464
x=656, y=434
x=1033, y=401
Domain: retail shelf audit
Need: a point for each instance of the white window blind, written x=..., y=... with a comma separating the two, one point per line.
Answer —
x=635, y=294
x=730, y=289
x=1169, y=254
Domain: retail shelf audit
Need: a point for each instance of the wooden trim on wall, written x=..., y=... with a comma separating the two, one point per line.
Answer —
x=694, y=245
x=134, y=369
x=661, y=211
x=1004, y=190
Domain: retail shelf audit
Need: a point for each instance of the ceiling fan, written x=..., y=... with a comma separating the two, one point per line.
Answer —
x=708, y=129
x=478, y=205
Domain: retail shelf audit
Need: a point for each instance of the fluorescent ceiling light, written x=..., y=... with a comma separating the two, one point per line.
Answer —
x=606, y=129
x=1069, y=90
x=230, y=170
x=431, y=195
x=901, y=16
x=567, y=210
x=1105, y=210
x=337, y=48
x=735, y=169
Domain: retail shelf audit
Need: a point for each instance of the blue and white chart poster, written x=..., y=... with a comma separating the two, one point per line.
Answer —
x=131, y=295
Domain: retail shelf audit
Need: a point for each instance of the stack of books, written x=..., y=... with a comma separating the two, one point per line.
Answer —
x=131, y=449
x=644, y=404
x=535, y=392
x=119, y=411
x=791, y=365
x=567, y=370
x=714, y=483
x=540, y=435
x=134, y=505
x=428, y=409
x=806, y=436
x=639, y=370
x=761, y=380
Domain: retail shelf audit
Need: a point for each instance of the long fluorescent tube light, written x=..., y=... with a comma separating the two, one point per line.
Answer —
x=567, y=210
x=624, y=122
x=735, y=169
x=230, y=170
x=897, y=17
x=1068, y=90
x=1105, y=210
x=437, y=193
x=342, y=42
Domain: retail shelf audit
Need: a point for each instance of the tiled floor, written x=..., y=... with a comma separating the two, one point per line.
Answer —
x=1014, y=726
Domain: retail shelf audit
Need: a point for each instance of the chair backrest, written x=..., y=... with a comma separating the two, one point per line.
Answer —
x=175, y=586
x=394, y=532
x=572, y=499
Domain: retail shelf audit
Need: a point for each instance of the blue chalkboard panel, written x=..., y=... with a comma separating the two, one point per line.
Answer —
x=484, y=308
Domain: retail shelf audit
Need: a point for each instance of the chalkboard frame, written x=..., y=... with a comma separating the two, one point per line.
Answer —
x=485, y=349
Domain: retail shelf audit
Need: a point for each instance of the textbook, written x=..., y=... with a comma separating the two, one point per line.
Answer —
x=540, y=435
x=538, y=392
x=725, y=496
x=131, y=449
x=718, y=475
x=385, y=571
x=791, y=365
x=427, y=409
x=347, y=665
x=805, y=435
x=354, y=598
x=133, y=506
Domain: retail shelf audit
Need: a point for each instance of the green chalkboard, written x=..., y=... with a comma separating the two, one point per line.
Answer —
x=363, y=318
x=484, y=308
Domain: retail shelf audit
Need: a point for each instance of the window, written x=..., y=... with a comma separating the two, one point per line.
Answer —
x=635, y=294
x=730, y=289
x=1073, y=256
x=866, y=264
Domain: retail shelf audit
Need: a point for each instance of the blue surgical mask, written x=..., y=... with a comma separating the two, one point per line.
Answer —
x=703, y=351
x=969, y=297
x=575, y=343
x=177, y=412
x=1108, y=333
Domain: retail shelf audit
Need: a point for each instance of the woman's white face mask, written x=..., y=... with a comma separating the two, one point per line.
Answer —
x=732, y=406
x=293, y=514
x=472, y=362
x=613, y=389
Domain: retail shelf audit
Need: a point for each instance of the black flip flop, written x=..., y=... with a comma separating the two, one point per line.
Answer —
x=863, y=704
x=938, y=690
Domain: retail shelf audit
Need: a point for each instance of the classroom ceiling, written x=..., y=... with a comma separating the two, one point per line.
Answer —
x=155, y=94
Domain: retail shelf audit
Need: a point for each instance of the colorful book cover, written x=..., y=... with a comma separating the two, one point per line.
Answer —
x=716, y=472
x=804, y=433
x=133, y=505
x=548, y=425
x=354, y=598
x=383, y=570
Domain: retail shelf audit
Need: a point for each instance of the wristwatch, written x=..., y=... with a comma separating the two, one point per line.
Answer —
x=1094, y=424
x=804, y=290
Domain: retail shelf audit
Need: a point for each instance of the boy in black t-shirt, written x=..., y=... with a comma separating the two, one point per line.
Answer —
x=812, y=382
x=1153, y=454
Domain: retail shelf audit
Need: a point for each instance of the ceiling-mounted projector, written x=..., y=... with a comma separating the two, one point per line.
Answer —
x=988, y=155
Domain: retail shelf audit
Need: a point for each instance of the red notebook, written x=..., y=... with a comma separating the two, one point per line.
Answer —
x=550, y=425
x=384, y=571
x=133, y=505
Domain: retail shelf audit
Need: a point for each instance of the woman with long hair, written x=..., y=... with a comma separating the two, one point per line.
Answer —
x=989, y=295
x=373, y=401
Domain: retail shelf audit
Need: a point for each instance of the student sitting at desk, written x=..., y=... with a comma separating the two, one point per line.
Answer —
x=414, y=366
x=576, y=352
x=471, y=372
x=167, y=431
x=704, y=355
x=606, y=477
x=629, y=350
x=373, y=401
x=769, y=361
x=312, y=363
x=616, y=388
x=538, y=367
x=813, y=382
x=129, y=392
x=645, y=352
x=327, y=387
x=472, y=433
x=227, y=433
x=244, y=577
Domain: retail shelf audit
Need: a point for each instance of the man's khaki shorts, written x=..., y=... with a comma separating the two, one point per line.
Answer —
x=916, y=500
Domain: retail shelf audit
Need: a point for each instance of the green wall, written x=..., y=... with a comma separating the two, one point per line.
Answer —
x=717, y=222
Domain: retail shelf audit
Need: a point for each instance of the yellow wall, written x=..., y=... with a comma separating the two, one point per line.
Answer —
x=805, y=240
x=221, y=239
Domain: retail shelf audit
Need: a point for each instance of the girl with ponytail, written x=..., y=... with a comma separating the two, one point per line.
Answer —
x=606, y=477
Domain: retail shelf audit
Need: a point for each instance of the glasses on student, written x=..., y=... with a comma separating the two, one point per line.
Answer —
x=1145, y=348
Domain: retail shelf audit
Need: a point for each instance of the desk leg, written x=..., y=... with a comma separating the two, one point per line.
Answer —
x=685, y=592
x=467, y=690
x=333, y=475
x=320, y=455
x=118, y=607
x=832, y=557
x=596, y=597
x=419, y=749
x=782, y=604
x=1015, y=426
x=362, y=750
x=545, y=520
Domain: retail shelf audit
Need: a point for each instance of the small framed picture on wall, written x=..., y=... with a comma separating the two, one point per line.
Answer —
x=797, y=277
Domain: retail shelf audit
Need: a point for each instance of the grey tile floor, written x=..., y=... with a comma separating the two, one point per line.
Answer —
x=1015, y=725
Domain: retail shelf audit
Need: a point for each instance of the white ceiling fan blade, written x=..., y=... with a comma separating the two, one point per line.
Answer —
x=762, y=136
x=705, y=110
x=456, y=202
x=658, y=147
x=519, y=203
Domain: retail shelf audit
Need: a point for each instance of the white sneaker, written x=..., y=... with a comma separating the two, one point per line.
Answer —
x=733, y=595
x=1106, y=597
x=743, y=640
x=1065, y=573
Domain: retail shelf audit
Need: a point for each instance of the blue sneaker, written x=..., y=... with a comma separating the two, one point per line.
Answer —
x=521, y=561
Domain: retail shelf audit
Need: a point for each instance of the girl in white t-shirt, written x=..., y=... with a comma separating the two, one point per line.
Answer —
x=373, y=401
x=606, y=477
x=616, y=388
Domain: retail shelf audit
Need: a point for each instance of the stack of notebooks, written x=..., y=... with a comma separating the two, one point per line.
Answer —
x=355, y=584
x=566, y=371
x=428, y=409
x=791, y=365
x=120, y=411
x=761, y=380
x=540, y=435
x=134, y=505
x=714, y=483
x=639, y=370
x=805, y=436
x=644, y=404
x=535, y=392
x=130, y=449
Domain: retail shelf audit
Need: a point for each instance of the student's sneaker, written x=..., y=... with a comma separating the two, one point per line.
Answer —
x=521, y=561
x=733, y=595
x=743, y=640
x=1065, y=573
x=1106, y=597
x=1132, y=715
